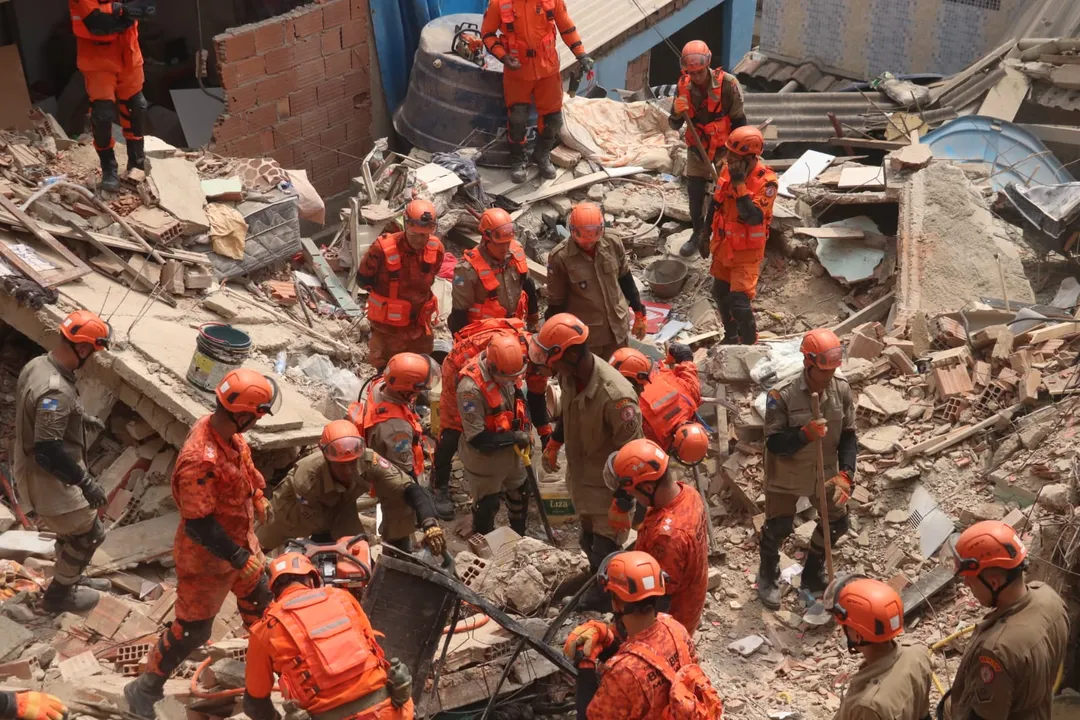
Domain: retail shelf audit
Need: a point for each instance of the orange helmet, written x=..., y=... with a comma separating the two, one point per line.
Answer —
x=293, y=563
x=497, y=226
x=341, y=442
x=420, y=216
x=632, y=576
x=821, y=349
x=248, y=391
x=408, y=373
x=586, y=225
x=632, y=364
x=690, y=444
x=869, y=607
x=746, y=140
x=504, y=356
x=83, y=326
x=696, y=55
x=988, y=544
x=559, y=333
x=634, y=464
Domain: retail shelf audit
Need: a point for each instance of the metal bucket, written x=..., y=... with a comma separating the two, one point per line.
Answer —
x=219, y=348
x=666, y=277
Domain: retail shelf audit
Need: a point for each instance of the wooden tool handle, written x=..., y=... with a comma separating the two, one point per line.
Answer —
x=823, y=502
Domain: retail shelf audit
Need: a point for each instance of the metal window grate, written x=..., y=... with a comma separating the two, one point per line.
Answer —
x=981, y=4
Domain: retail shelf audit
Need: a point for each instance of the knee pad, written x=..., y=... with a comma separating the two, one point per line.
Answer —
x=552, y=123
x=136, y=102
x=740, y=301
x=518, y=123
x=135, y=110
x=254, y=604
x=516, y=501
x=721, y=291
x=777, y=529
x=484, y=512
x=193, y=633
x=90, y=540
x=838, y=528
x=102, y=113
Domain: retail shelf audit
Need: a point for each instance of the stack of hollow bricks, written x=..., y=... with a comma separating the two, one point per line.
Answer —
x=298, y=89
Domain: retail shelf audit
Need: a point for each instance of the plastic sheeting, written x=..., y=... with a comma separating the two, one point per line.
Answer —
x=397, y=26
x=617, y=134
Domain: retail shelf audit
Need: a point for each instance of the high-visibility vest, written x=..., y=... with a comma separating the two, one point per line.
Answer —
x=491, y=307
x=664, y=408
x=713, y=134
x=519, y=48
x=737, y=236
x=389, y=309
x=516, y=418
x=366, y=414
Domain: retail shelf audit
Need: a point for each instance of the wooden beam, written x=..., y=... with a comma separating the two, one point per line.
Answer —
x=47, y=278
x=1060, y=59
x=964, y=75
x=1052, y=332
x=868, y=144
x=329, y=279
x=1054, y=133
x=877, y=310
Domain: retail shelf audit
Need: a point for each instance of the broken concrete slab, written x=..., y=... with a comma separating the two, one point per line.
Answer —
x=748, y=645
x=881, y=440
x=181, y=193
x=886, y=399
x=910, y=157
x=865, y=347
x=1056, y=497
x=901, y=361
x=18, y=545
x=848, y=261
x=13, y=638
x=643, y=203
x=526, y=590
x=7, y=518
x=733, y=363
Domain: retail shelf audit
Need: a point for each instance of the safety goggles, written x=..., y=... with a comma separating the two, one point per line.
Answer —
x=271, y=407
x=502, y=234
x=611, y=478
x=832, y=594
x=424, y=223
x=694, y=62
x=343, y=450
x=586, y=235
x=961, y=565
x=828, y=360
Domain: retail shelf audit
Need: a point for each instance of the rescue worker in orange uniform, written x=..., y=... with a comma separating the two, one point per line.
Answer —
x=713, y=102
x=648, y=666
x=521, y=35
x=220, y=496
x=674, y=529
x=893, y=680
x=398, y=271
x=109, y=57
x=791, y=433
x=496, y=428
x=31, y=705
x=1013, y=659
x=492, y=280
x=49, y=457
x=321, y=645
x=589, y=276
x=469, y=343
x=740, y=216
x=387, y=419
x=670, y=393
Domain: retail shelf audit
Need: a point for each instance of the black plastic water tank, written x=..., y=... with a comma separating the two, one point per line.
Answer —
x=453, y=103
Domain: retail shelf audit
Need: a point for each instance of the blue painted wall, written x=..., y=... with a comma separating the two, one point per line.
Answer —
x=738, y=32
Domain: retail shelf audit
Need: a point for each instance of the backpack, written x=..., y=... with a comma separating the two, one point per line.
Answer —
x=692, y=696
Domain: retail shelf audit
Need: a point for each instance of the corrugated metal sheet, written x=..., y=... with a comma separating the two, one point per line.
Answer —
x=764, y=72
x=801, y=117
x=1056, y=97
x=601, y=21
x=1045, y=19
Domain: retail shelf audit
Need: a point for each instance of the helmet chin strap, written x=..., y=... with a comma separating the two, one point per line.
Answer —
x=1010, y=578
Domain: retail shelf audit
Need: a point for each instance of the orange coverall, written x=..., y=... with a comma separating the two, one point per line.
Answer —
x=272, y=650
x=662, y=413
x=630, y=689
x=676, y=536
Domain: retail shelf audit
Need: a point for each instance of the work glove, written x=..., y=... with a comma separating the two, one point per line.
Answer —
x=30, y=705
x=532, y=322
x=434, y=538
x=522, y=439
x=92, y=423
x=586, y=62
x=816, y=429
x=264, y=511
x=587, y=641
x=544, y=431
x=639, y=325
x=679, y=353
x=620, y=514
x=550, y=460
x=249, y=565
x=511, y=62
x=680, y=105
x=93, y=492
x=841, y=485
x=703, y=248
x=400, y=681
x=738, y=177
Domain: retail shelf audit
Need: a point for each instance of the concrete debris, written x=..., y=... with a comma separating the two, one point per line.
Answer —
x=1057, y=497
x=910, y=157
x=882, y=440
x=748, y=645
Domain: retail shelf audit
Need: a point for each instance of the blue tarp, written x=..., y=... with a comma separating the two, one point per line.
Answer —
x=397, y=25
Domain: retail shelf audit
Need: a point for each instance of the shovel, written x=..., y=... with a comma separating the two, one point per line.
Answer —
x=534, y=490
x=817, y=615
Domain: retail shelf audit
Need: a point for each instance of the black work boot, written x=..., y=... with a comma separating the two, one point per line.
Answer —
x=519, y=164
x=143, y=692
x=731, y=331
x=444, y=505
x=813, y=574
x=110, y=180
x=542, y=156
x=99, y=584
x=768, y=582
x=136, y=154
x=68, y=598
x=691, y=246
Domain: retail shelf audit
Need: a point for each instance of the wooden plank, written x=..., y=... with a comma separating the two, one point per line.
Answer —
x=77, y=268
x=936, y=445
x=875, y=311
x=133, y=544
x=780, y=164
x=964, y=75
x=1052, y=332
x=1054, y=133
x=1060, y=59
x=579, y=183
x=1004, y=99
x=868, y=144
x=834, y=233
x=329, y=279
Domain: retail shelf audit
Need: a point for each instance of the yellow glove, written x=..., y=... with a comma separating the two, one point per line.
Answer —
x=680, y=105
x=841, y=485
x=264, y=511
x=32, y=705
x=587, y=641
x=639, y=325
x=550, y=461
x=251, y=569
x=618, y=518
x=435, y=540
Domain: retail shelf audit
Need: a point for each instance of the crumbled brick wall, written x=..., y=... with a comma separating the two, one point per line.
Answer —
x=298, y=89
x=637, y=71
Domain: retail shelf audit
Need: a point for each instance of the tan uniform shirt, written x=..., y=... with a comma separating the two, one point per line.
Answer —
x=597, y=420
x=893, y=687
x=487, y=473
x=469, y=291
x=1012, y=660
x=788, y=405
x=589, y=287
x=47, y=407
x=393, y=437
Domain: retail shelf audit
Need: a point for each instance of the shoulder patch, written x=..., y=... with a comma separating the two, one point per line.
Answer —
x=209, y=453
x=992, y=663
x=401, y=442
x=49, y=404
x=772, y=400
x=770, y=190
x=383, y=462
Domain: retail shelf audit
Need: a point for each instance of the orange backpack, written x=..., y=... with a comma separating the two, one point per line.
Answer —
x=692, y=696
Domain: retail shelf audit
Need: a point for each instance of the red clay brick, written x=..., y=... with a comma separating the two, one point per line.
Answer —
x=307, y=49
x=354, y=149
x=261, y=117
x=359, y=10
x=361, y=57
x=279, y=60
x=356, y=129
x=334, y=137
x=331, y=89
x=340, y=111
x=288, y=132
x=307, y=23
x=335, y=183
x=339, y=64
x=276, y=88
x=314, y=122
x=233, y=48
x=284, y=156
x=336, y=13
x=331, y=41
x=254, y=145
x=269, y=36
x=241, y=99
x=302, y=101
x=324, y=163
x=357, y=83
x=354, y=34
x=229, y=128
x=310, y=73
x=233, y=75
x=303, y=152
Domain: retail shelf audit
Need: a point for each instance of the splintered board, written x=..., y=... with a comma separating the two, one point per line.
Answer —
x=72, y=267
